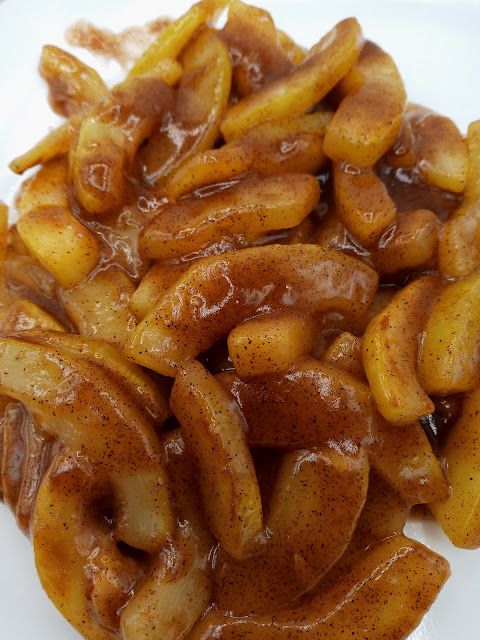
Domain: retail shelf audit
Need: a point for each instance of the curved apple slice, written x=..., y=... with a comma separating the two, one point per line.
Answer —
x=390, y=350
x=217, y=293
x=317, y=500
x=382, y=593
x=368, y=120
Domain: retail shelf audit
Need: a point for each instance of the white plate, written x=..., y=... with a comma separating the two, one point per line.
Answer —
x=437, y=48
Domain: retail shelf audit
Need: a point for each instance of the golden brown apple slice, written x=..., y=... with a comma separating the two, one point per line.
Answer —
x=217, y=293
x=382, y=593
x=441, y=150
x=203, y=95
x=459, y=250
x=317, y=499
x=297, y=92
x=369, y=118
x=270, y=343
x=76, y=555
x=271, y=148
x=178, y=589
x=403, y=457
x=411, y=244
x=345, y=352
x=153, y=286
x=363, y=203
x=150, y=396
x=390, y=351
x=234, y=217
x=82, y=405
x=99, y=307
x=215, y=433
x=459, y=514
x=315, y=403
x=452, y=332
x=73, y=85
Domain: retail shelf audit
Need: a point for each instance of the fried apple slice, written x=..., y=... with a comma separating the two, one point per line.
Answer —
x=270, y=343
x=54, y=145
x=316, y=502
x=202, y=99
x=271, y=148
x=109, y=137
x=74, y=86
x=175, y=37
x=369, y=118
x=52, y=234
x=390, y=350
x=403, y=457
x=296, y=93
x=346, y=352
x=99, y=307
x=452, y=331
x=154, y=285
x=363, y=203
x=47, y=188
x=217, y=293
x=79, y=403
x=255, y=47
x=459, y=514
x=459, y=249
x=75, y=553
x=411, y=244
x=149, y=396
x=62, y=244
x=24, y=315
x=178, y=589
x=214, y=431
x=233, y=217
x=382, y=593
x=315, y=404
x=441, y=150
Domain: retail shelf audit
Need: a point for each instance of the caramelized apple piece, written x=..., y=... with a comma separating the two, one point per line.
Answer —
x=441, y=150
x=452, y=331
x=99, y=307
x=315, y=404
x=175, y=37
x=178, y=589
x=233, y=217
x=459, y=250
x=214, y=431
x=255, y=47
x=24, y=315
x=82, y=405
x=459, y=514
x=297, y=92
x=403, y=457
x=317, y=499
x=150, y=396
x=202, y=99
x=382, y=593
x=369, y=118
x=93, y=579
x=217, y=293
x=270, y=343
x=74, y=86
x=363, y=203
x=271, y=148
x=411, y=244
x=346, y=352
x=154, y=285
x=390, y=350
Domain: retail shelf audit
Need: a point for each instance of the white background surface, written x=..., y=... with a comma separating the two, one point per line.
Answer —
x=437, y=48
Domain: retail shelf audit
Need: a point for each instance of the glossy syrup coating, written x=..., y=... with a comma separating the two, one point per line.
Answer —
x=214, y=401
